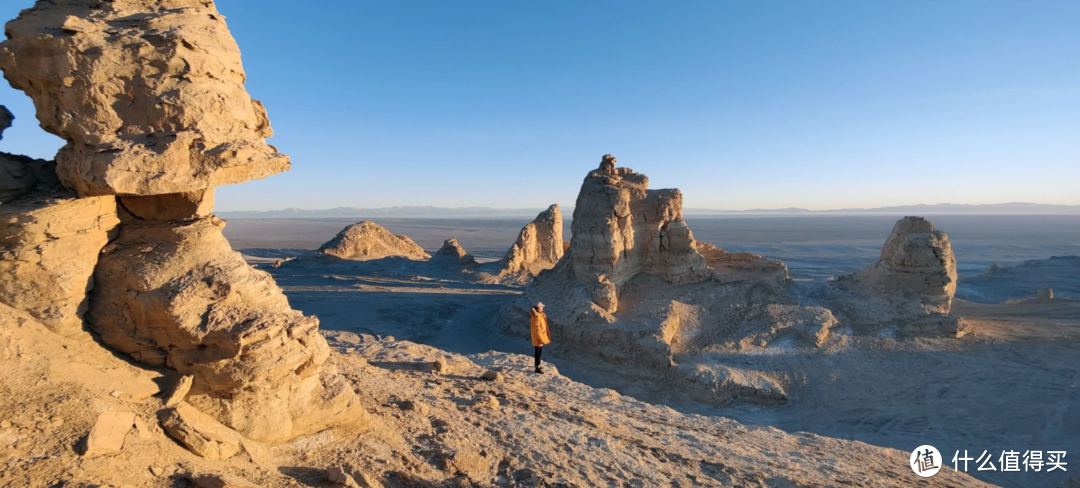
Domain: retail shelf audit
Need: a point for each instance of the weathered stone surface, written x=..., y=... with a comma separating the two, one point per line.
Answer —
x=109, y=432
x=367, y=240
x=729, y=267
x=173, y=206
x=916, y=266
x=452, y=252
x=174, y=294
x=180, y=392
x=20, y=174
x=539, y=245
x=49, y=245
x=149, y=95
x=621, y=229
x=200, y=433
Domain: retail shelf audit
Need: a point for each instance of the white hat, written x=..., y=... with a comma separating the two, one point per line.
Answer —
x=539, y=305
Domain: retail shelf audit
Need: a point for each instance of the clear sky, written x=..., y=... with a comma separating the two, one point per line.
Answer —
x=741, y=104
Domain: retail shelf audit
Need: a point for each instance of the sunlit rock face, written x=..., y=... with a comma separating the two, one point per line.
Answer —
x=621, y=228
x=149, y=95
x=539, y=244
x=917, y=265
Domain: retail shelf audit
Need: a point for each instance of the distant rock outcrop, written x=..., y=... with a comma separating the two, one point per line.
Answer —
x=20, y=174
x=916, y=266
x=622, y=229
x=452, y=252
x=185, y=124
x=367, y=240
x=538, y=247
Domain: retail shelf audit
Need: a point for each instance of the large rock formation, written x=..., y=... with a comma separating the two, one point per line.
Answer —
x=367, y=240
x=622, y=229
x=538, y=247
x=49, y=246
x=149, y=95
x=174, y=294
x=916, y=267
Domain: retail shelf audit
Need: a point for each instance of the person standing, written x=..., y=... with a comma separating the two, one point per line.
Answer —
x=541, y=334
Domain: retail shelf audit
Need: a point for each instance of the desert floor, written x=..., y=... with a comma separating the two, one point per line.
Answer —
x=1012, y=383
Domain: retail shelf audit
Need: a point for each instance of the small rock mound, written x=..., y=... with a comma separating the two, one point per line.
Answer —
x=452, y=252
x=539, y=245
x=367, y=240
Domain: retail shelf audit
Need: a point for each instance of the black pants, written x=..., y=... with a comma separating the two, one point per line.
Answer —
x=539, y=350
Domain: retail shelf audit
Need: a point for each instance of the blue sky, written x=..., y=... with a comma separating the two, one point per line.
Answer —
x=814, y=104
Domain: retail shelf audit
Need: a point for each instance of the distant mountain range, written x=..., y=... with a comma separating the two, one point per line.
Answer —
x=488, y=212
x=941, y=208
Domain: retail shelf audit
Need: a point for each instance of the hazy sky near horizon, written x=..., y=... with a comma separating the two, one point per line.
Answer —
x=824, y=104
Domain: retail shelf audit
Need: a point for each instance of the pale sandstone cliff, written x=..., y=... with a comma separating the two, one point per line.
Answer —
x=149, y=96
x=622, y=229
x=538, y=247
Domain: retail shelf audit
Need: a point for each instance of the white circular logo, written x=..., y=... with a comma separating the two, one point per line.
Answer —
x=925, y=461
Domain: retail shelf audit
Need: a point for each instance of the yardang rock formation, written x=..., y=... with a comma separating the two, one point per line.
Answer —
x=367, y=240
x=538, y=247
x=149, y=96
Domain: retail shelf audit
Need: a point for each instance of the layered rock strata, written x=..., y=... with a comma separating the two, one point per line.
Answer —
x=49, y=245
x=622, y=229
x=538, y=247
x=174, y=294
x=917, y=268
x=148, y=94
x=367, y=240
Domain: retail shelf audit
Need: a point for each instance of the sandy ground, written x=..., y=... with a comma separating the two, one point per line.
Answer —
x=1010, y=384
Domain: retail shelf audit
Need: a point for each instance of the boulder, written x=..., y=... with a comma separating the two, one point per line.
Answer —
x=149, y=95
x=539, y=245
x=367, y=240
x=916, y=268
x=621, y=228
x=109, y=432
x=180, y=392
x=174, y=294
x=200, y=433
x=452, y=252
x=49, y=245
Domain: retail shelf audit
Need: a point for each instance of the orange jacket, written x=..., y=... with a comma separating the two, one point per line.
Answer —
x=539, y=325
